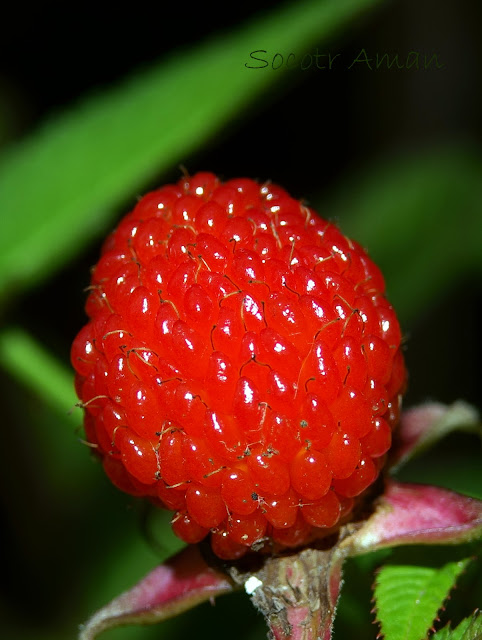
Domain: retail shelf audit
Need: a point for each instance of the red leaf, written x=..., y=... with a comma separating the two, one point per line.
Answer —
x=180, y=584
x=418, y=514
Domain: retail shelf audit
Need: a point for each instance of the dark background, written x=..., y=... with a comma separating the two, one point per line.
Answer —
x=314, y=128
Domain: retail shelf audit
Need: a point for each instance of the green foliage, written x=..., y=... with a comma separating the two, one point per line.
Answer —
x=37, y=368
x=468, y=629
x=408, y=598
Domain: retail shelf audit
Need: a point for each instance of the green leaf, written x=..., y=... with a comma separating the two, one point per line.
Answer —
x=421, y=220
x=409, y=597
x=58, y=189
x=468, y=629
x=36, y=368
x=54, y=434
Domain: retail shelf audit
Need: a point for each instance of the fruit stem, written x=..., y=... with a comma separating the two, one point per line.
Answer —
x=296, y=593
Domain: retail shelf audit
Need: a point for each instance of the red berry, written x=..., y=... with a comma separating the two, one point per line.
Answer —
x=239, y=491
x=138, y=455
x=241, y=364
x=247, y=529
x=343, y=454
x=297, y=534
x=205, y=505
x=363, y=476
x=185, y=526
x=310, y=474
x=281, y=511
x=324, y=512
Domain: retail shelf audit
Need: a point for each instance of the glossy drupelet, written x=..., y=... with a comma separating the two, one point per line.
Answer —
x=241, y=366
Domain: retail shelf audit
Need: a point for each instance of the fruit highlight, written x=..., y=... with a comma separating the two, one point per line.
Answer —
x=241, y=365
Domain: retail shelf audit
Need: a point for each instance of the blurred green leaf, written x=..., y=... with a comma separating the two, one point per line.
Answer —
x=27, y=361
x=420, y=217
x=59, y=187
x=36, y=368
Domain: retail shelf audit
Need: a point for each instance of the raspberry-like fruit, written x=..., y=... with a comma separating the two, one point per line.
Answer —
x=241, y=365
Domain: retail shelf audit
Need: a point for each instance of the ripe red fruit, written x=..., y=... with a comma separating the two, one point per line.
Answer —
x=241, y=365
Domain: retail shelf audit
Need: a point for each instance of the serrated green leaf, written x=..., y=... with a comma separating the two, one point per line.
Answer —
x=409, y=597
x=468, y=629
x=58, y=188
